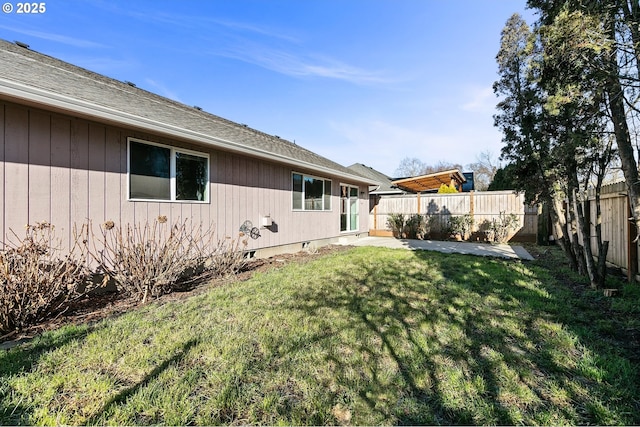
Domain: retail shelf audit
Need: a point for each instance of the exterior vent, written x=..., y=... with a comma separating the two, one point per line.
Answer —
x=130, y=83
x=21, y=44
x=197, y=108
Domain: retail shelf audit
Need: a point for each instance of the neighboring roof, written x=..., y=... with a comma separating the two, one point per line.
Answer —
x=432, y=181
x=382, y=180
x=40, y=80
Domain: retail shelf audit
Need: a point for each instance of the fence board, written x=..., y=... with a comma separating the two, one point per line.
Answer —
x=614, y=223
x=484, y=206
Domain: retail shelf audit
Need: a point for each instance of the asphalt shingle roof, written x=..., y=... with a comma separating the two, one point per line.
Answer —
x=382, y=180
x=31, y=69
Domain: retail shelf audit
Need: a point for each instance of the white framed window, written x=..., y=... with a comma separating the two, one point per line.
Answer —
x=348, y=208
x=163, y=173
x=310, y=193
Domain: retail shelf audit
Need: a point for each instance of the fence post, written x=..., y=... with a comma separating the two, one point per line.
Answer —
x=632, y=245
x=472, y=207
x=375, y=216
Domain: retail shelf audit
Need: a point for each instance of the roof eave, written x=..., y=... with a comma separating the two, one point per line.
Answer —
x=20, y=92
x=383, y=192
x=435, y=174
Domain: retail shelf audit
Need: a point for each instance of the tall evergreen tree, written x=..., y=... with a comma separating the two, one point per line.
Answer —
x=552, y=118
x=619, y=81
x=526, y=135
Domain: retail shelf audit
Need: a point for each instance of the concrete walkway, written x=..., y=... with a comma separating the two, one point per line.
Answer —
x=480, y=249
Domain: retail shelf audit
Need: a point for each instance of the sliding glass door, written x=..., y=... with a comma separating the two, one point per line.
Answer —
x=348, y=208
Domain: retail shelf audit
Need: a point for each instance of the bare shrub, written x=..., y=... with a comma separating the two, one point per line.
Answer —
x=225, y=258
x=36, y=280
x=153, y=259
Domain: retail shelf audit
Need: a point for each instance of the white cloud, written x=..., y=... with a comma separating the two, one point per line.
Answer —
x=299, y=65
x=480, y=100
x=382, y=145
x=252, y=28
x=71, y=41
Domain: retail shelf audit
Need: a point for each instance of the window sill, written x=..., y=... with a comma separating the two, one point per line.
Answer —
x=183, y=202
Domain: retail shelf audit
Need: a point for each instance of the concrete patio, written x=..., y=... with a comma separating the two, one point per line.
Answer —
x=467, y=248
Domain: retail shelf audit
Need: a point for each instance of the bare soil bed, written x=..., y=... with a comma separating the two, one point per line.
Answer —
x=92, y=308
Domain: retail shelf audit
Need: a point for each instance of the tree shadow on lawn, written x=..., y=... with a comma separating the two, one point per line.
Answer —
x=24, y=358
x=122, y=396
x=441, y=343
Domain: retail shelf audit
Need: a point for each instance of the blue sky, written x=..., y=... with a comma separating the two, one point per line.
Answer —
x=367, y=81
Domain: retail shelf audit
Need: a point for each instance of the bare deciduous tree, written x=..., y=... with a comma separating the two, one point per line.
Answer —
x=412, y=166
x=484, y=169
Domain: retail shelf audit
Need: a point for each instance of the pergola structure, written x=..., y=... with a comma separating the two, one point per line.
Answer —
x=430, y=182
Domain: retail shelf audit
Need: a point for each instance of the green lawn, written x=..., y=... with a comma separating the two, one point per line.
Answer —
x=367, y=336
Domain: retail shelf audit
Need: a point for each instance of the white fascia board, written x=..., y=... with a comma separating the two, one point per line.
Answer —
x=46, y=98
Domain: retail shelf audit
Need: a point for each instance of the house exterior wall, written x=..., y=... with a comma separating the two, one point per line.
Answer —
x=68, y=170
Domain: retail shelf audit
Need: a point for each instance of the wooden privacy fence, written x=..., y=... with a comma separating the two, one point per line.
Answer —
x=438, y=208
x=616, y=227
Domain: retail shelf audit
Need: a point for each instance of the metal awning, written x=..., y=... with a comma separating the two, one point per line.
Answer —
x=430, y=182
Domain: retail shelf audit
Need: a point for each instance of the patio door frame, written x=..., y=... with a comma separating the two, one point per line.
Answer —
x=349, y=215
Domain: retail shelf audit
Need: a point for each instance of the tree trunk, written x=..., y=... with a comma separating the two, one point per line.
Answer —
x=631, y=10
x=575, y=231
x=575, y=227
x=559, y=227
x=603, y=247
x=542, y=237
x=615, y=97
x=585, y=230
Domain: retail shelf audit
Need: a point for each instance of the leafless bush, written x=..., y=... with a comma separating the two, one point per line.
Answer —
x=225, y=258
x=36, y=280
x=153, y=259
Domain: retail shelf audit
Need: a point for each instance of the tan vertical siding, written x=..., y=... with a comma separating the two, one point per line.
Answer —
x=226, y=203
x=278, y=207
x=265, y=197
x=39, y=168
x=251, y=203
x=79, y=171
x=16, y=178
x=113, y=190
x=60, y=183
x=127, y=209
x=217, y=182
x=69, y=171
x=96, y=170
x=213, y=190
x=2, y=183
x=233, y=204
x=240, y=198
